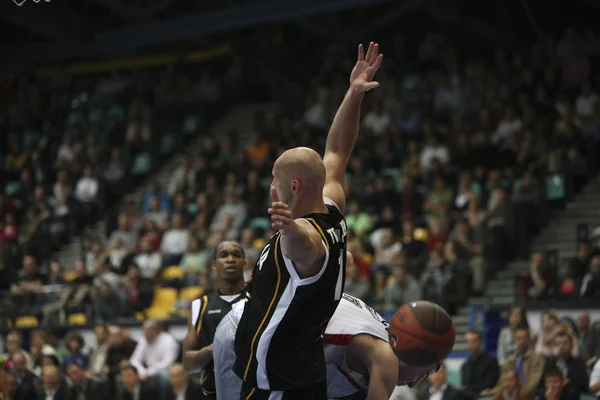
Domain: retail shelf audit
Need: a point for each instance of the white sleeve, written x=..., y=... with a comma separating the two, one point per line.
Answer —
x=595, y=376
x=136, y=358
x=330, y=202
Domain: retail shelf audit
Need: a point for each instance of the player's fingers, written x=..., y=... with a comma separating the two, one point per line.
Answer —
x=374, y=54
x=280, y=205
x=280, y=218
x=283, y=213
x=376, y=64
x=369, y=51
x=361, y=53
x=371, y=85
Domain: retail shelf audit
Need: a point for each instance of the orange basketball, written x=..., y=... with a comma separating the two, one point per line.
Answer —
x=421, y=333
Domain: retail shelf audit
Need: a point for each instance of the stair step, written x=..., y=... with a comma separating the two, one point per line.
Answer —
x=501, y=283
x=506, y=274
x=501, y=291
x=556, y=245
x=460, y=346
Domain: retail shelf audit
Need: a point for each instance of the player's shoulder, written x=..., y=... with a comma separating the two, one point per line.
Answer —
x=197, y=306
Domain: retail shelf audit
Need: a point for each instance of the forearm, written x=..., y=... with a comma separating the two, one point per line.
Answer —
x=344, y=129
x=193, y=359
x=378, y=392
x=297, y=245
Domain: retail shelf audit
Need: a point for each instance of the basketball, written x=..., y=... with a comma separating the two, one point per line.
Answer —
x=421, y=333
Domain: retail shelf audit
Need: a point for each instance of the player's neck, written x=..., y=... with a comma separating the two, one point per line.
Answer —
x=227, y=288
x=303, y=206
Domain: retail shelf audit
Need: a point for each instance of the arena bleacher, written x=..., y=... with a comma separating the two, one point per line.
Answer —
x=473, y=184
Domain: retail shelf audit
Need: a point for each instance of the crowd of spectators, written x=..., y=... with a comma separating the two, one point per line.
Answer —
x=459, y=163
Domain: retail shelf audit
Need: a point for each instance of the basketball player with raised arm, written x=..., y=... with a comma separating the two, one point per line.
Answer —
x=298, y=280
x=359, y=358
x=206, y=313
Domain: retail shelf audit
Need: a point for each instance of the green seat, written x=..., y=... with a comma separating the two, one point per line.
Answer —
x=555, y=187
x=191, y=124
x=12, y=187
x=260, y=223
x=587, y=397
x=393, y=173
x=141, y=164
x=192, y=208
x=116, y=112
x=453, y=376
x=51, y=201
x=96, y=116
x=74, y=118
x=30, y=139
x=265, y=183
x=167, y=145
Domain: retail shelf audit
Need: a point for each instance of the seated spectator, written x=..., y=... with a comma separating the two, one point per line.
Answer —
x=53, y=384
x=182, y=387
x=529, y=365
x=582, y=259
x=155, y=213
x=75, y=345
x=26, y=379
x=151, y=232
x=148, y=261
x=437, y=234
x=194, y=260
x=551, y=327
x=116, y=255
x=108, y=303
x=83, y=386
x=539, y=282
x=511, y=388
x=557, y=388
x=138, y=290
x=14, y=345
x=183, y=179
x=359, y=221
x=30, y=280
x=439, y=200
x=437, y=279
x=573, y=369
x=174, y=242
x=437, y=387
x=87, y=191
x=154, y=354
x=99, y=353
x=155, y=193
x=402, y=287
x=506, y=345
x=135, y=388
x=250, y=249
x=124, y=233
x=120, y=349
x=590, y=286
x=95, y=253
x=233, y=210
x=356, y=285
x=180, y=207
x=595, y=379
x=103, y=275
x=379, y=278
x=481, y=371
x=13, y=390
x=570, y=285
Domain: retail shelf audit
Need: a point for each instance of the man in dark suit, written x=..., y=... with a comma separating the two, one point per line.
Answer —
x=438, y=388
x=182, y=387
x=84, y=388
x=53, y=385
x=573, y=369
x=480, y=371
x=28, y=382
x=134, y=389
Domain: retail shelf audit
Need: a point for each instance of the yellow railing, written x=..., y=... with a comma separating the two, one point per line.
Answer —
x=137, y=62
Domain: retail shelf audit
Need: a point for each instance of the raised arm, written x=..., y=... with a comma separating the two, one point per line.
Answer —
x=344, y=129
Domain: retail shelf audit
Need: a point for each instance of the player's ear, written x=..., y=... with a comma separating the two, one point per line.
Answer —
x=296, y=186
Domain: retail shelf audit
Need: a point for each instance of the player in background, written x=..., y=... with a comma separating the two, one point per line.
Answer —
x=299, y=278
x=228, y=263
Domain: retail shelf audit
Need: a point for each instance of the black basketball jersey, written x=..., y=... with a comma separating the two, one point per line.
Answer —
x=278, y=341
x=207, y=313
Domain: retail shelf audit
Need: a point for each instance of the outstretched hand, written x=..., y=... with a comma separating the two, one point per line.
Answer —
x=361, y=78
x=280, y=213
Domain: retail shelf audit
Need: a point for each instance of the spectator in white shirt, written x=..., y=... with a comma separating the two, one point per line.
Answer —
x=508, y=126
x=433, y=150
x=175, y=241
x=230, y=217
x=86, y=190
x=377, y=121
x=586, y=102
x=149, y=261
x=155, y=352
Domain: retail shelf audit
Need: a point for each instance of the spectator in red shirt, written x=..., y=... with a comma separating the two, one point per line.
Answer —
x=539, y=282
x=437, y=236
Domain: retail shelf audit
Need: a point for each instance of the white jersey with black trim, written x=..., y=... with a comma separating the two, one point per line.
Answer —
x=352, y=317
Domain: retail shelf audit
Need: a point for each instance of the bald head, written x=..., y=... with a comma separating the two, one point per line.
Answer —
x=299, y=172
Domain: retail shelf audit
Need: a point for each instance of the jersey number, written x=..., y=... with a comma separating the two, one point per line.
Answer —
x=340, y=278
